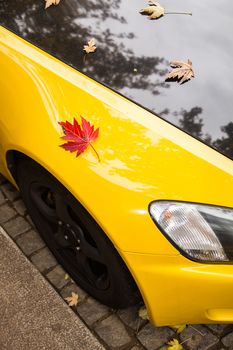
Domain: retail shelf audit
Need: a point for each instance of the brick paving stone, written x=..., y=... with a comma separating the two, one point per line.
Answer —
x=2, y=199
x=92, y=311
x=228, y=341
x=57, y=277
x=6, y=213
x=154, y=337
x=67, y=290
x=30, y=242
x=30, y=221
x=20, y=207
x=130, y=317
x=16, y=226
x=10, y=191
x=112, y=331
x=203, y=341
x=217, y=328
x=44, y=260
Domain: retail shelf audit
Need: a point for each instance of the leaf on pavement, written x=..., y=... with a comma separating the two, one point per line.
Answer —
x=174, y=345
x=73, y=299
x=179, y=328
x=51, y=2
x=181, y=72
x=142, y=313
x=66, y=276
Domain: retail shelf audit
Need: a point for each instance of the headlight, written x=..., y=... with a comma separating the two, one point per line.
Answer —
x=201, y=232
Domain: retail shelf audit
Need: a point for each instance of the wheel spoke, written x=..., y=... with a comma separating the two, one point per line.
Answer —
x=47, y=212
x=90, y=251
x=62, y=210
x=64, y=215
x=84, y=267
x=73, y=243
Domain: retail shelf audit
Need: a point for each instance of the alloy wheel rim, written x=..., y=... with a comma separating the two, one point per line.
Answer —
x=73, y=243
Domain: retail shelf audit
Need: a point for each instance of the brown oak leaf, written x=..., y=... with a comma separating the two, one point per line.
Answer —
x=90, y=47
x=182, y=71
x=51, y=2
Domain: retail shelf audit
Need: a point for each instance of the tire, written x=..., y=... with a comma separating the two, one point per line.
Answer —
x=75, y=239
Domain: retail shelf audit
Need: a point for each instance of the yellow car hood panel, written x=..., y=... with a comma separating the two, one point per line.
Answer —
x=143, y=158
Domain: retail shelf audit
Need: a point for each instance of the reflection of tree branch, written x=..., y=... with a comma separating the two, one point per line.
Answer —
x=225, y=144
x=191, y=122
x=61, y=32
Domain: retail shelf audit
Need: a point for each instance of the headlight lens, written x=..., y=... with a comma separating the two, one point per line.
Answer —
x=201, y=232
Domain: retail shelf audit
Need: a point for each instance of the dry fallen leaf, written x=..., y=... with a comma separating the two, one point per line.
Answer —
x=174, y=345
x=51, y=2
x=73, y=299
x=90, y=47
x=66, y=276
x=154, y=10
x=181, y=70
x=142, y=313
x=179, y=327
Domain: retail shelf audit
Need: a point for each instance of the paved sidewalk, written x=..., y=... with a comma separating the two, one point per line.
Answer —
x=32, y=315
x=115, y=329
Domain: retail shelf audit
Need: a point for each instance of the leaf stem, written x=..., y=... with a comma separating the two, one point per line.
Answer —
x=95, y=151
x=186, y=340
x=179, y=13
x=197, y=330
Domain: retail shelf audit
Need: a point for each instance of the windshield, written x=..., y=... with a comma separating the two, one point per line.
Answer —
x=133, y=54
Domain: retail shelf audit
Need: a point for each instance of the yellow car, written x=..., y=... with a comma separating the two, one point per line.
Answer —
x=146, y=208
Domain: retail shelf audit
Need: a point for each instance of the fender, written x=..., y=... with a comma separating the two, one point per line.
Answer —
x=143, y=158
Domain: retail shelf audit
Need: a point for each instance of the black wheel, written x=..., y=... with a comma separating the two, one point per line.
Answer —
x=75, y=239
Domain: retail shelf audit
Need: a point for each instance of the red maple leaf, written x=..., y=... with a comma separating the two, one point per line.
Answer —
x=79, y=137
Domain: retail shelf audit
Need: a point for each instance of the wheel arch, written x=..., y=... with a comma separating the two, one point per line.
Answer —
x=14, y=157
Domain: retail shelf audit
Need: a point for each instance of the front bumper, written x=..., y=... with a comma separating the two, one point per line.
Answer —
x=179, y=291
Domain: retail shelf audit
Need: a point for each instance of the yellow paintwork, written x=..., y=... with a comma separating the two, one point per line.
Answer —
x=143, y=158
